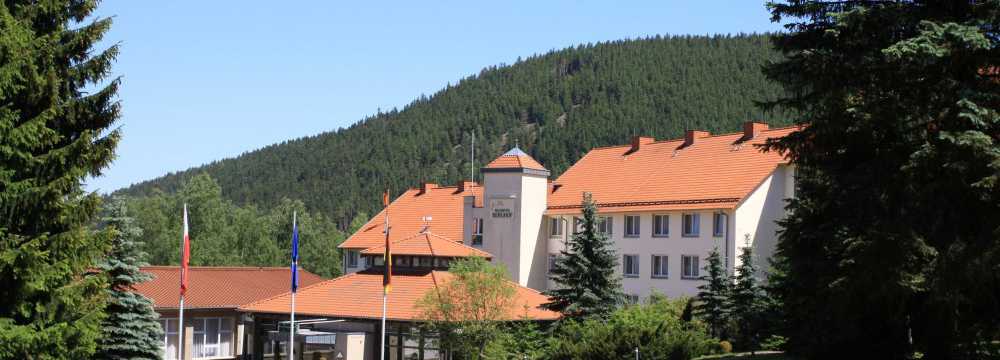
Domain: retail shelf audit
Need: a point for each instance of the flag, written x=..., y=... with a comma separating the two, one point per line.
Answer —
x=185, y=253
x=295, y=254
x=387, y=257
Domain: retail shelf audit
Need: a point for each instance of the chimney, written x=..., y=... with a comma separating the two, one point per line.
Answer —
x=638, y=141
x=691, y=135
x=753, y=128
x=464, y=185
x=426, y=186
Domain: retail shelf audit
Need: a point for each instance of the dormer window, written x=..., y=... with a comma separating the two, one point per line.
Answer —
x=352, y=258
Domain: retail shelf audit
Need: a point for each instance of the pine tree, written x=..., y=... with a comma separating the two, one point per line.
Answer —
x=891, y=244
x=746, y=301
x=131, y=330
x=584, y=273
x=713, y=294
x=56, y=114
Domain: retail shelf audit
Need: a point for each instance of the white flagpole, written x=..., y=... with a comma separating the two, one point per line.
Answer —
x=291, y=330
x=382, y=347
x=385, y=267
x=180, y=320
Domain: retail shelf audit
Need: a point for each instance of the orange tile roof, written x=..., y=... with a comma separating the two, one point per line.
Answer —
x=428, y=244
x=714, y=172
x=515, y=159
x=364, y=289
x=218, y=287
x=443, y=204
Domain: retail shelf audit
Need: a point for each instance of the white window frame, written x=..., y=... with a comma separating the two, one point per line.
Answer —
x=634, y=229
x=577, y=225
x=169, y=354
x=353, y=257
x=632, y=299
x=688, y=271
x=665, y=228
x=718, y=224
x=635, y=265
x=221, y=353
x=606, y=225
x=555, y=228
x=695, y=222
x=663, y=271
x=477, y=232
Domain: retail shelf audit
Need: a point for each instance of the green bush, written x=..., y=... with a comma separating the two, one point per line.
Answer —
x=773, y=343
x=656, y=329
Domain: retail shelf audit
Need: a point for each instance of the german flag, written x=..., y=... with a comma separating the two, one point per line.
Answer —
x=387, y=257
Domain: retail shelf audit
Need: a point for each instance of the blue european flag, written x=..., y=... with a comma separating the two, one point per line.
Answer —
x=295, y=255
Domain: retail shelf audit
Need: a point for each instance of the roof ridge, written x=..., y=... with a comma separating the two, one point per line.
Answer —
x=216, y=267
x=300, y=289
x=707, y=137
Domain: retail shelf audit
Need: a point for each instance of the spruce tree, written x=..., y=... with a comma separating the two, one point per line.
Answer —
x=131, y=330
x=584, y=273
x=56, y=113
x=891, y=244
x=746, y=301
x=713, y=294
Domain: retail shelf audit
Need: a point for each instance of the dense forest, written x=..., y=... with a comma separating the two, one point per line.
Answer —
x=556, y=106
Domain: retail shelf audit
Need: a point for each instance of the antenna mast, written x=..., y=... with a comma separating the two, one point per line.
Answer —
x=472, y=158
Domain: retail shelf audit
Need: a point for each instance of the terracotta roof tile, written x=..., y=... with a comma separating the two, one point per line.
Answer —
x=428, y=244
x=443, y=204
x=515, y=159
x=365, y=291
x=218, y=287
x=713, y=172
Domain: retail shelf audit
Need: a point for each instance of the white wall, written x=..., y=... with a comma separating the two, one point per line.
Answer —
x=674, y=245
x=756, y=216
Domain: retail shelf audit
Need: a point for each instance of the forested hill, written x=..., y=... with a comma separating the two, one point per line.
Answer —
x=556, y=106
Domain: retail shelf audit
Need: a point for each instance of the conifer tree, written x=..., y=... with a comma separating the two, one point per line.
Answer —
x=584, y=273
x=131, y=330
x=891, y=244
x=746, y=300
x=713, y=294
x=56, y=113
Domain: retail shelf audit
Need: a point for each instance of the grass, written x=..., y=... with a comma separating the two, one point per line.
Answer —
x=760, y=355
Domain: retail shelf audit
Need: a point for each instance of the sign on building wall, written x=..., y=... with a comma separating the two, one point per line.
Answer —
x=502, y=208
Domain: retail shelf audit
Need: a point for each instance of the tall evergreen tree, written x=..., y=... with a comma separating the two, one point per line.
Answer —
x=891, y=246
x=746, y=301
x=713, y=294
x=584, y=273
x=131, y=330
x=56, y=114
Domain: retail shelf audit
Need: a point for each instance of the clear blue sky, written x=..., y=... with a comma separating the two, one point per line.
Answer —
x=206, y=80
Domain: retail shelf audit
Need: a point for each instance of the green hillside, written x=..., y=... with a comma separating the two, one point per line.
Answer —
x=556, y=106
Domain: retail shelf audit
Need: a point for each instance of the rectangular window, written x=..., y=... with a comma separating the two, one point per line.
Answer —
x=402, y=261
x=555, y=227
x=577, y=225
x=691, y=224
x=632, y=225
x=718, y=224
x=632, y=299
x=630, y=265
x=169, y=344
x=605, y=224
x=212, y=337
x=441, y=262
x=552, y=262
x=689, y=267
x=477, y=232
x=426, y=261
x=661, y=225
x=352, y=258
x=661, y=268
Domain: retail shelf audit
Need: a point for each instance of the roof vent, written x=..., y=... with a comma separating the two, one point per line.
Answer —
x=426, y=186
x=753, y=128
x=691, y=135
x=639, y=141
x=427, y=224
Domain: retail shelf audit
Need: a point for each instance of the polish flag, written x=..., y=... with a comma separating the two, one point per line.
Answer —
x=185, y=253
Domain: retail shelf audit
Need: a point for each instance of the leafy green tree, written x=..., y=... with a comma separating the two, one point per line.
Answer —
x=891, y=246
x=713, y=295
x=584, y=273
x=517, y=341
x=468, y=310
x=746, y=301
x=130, y=330
x=56, y=113
x=655, y=328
